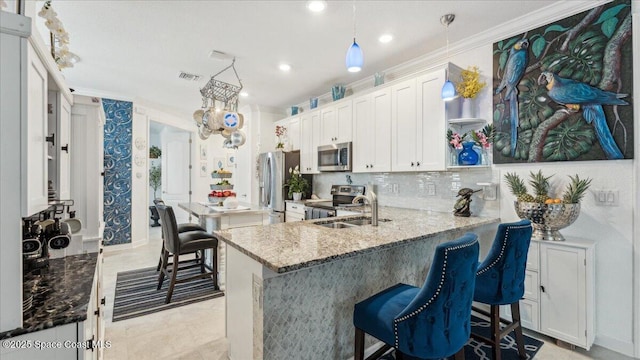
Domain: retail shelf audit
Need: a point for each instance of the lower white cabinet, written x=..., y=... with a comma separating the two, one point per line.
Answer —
x=293, y=212
x=559, y=299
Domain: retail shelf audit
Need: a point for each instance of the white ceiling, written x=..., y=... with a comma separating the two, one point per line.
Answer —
x=135, y=49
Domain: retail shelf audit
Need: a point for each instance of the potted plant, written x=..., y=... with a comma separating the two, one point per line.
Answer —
x=154, y=152
x=155, y=178
x=469, y=87
x=297, y=184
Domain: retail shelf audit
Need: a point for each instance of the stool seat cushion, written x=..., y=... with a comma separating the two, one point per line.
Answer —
x=189, y=227
x=375, y=315
x=196, y=240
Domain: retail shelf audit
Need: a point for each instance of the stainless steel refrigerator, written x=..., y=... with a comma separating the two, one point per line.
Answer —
x=273, y=173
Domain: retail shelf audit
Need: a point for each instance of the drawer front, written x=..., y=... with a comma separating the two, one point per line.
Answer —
x=531, y=285
x=533, y=256
x=291, y=216
x=295, y=208
x=529, y=314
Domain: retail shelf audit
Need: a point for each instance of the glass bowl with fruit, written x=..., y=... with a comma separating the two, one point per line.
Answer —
x=547, y=214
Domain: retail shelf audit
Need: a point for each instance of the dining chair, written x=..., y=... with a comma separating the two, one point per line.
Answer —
x=500, y=281
x=184, y=243
x=432, y=321
x=181, y=228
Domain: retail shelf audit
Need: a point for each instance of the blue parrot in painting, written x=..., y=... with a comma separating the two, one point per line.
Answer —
x=514, y=70
x=575, y=95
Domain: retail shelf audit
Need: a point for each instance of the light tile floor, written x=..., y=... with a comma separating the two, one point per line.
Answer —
x=196, y=331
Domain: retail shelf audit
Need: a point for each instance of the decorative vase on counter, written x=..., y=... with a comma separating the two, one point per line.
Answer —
x=468, y=156
x=468, y=108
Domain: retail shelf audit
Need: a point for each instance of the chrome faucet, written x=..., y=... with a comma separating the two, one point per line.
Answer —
x=372, y=199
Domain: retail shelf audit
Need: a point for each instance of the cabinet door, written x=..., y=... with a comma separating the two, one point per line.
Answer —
x=34, y=147
x=405, y=128
x=309, y=137
x=431, y=113
x=381, y=118
x=363, y=134
x=563, y=293
x=63, y=157
x=328, y=126
x=344, y=122
x=293, y=133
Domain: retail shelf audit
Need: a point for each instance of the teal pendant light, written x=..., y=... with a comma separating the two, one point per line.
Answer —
x=448, y=89
x=355, y=58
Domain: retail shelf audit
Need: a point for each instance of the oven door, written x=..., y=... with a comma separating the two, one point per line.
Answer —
x=335, y=157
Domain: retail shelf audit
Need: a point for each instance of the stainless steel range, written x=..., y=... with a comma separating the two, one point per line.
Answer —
x=342, y=197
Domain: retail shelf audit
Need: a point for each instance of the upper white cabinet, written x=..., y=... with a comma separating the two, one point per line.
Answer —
x=309, y=138
x=431, y=116
x=406, y=129
x=336, y=123
x=59, y=125
x=34, y=144
x=371, y=132
x=292, y=138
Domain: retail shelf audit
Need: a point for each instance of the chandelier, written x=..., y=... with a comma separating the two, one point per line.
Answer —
x=219, y=113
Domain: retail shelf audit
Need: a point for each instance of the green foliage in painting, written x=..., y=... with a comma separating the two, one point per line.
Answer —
x=569, y=140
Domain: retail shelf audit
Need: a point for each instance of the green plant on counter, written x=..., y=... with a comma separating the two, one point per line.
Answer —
x=296, y=184
x=155, y=152
x=155, y=178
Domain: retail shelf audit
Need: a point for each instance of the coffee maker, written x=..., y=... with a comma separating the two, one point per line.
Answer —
x=40, y=233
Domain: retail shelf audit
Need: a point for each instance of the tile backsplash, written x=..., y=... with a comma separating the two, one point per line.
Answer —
x=434, y=191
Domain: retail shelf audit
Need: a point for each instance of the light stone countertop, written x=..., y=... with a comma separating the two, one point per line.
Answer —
x=291, y=246
x=198, y=209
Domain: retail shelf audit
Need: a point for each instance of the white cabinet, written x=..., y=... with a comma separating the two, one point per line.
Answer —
x=372, y=132
x=292, y=138
x=34, y=145
x=405, y=127
x=567, y=293
x=309, y=138
x=559, y=298
x=59, y=124
x=336, y=123
x=431, y=114
x=294, y=212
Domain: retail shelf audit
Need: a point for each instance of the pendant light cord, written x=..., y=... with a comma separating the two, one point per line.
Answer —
x=354, y=20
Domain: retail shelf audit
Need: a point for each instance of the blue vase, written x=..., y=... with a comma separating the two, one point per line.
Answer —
x=468, y=156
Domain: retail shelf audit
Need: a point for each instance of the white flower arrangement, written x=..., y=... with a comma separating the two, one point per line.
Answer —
x=62, y=56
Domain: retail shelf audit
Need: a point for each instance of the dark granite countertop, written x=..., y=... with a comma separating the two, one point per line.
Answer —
x=61, y=294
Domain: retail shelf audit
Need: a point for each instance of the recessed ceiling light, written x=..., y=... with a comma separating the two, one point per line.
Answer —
x=244, y=94
x=385, y=38
x=316, y=6
x=285, y=67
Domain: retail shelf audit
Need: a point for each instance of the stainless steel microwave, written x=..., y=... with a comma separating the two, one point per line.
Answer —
x=335, y=157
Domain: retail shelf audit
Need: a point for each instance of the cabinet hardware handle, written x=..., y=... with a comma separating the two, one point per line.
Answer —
x=102, y=173
x=97, y=312
x=104, y=300
x=65, y=148
x=367, y=166
x=52, y=139
x=418, y=163
x=412, y=163
x=371, y=165
x=542, y=288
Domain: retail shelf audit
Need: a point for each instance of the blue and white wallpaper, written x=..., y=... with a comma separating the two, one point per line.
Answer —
x=117, y=171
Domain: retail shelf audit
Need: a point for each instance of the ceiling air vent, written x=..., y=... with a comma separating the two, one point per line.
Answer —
x=220, y=55
x=189, y=77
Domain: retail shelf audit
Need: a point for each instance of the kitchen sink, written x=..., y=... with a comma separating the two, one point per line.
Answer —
x=341, y=224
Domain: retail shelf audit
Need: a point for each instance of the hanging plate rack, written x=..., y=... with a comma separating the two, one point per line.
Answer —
x=216, y=90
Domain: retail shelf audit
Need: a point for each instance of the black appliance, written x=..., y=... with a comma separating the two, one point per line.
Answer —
x=342, y=197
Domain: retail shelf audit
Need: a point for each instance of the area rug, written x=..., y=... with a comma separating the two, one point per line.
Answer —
x=136, y=293
x=478, y=350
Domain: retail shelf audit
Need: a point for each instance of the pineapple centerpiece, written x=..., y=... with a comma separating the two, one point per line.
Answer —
x=547, y=214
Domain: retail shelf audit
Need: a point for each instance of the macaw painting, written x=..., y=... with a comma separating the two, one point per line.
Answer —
x=563, y=91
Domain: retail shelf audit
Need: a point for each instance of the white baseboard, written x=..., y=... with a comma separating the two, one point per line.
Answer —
x=623, y=347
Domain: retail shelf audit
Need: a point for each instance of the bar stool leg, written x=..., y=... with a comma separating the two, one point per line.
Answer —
x=174, y=274
x=515, y=317
x=495, y=331
x=164, y=260
x=359, y=345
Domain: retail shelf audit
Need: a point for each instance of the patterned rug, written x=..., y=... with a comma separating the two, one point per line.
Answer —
x=481, y=351
x=136, y=293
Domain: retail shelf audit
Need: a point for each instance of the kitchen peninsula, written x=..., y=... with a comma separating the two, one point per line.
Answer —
x=291, y=287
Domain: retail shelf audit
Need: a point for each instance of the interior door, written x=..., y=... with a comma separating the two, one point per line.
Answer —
x=176, y=169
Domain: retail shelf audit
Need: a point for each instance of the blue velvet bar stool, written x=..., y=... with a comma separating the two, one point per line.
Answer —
x=500, y=281
x=430, y=322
